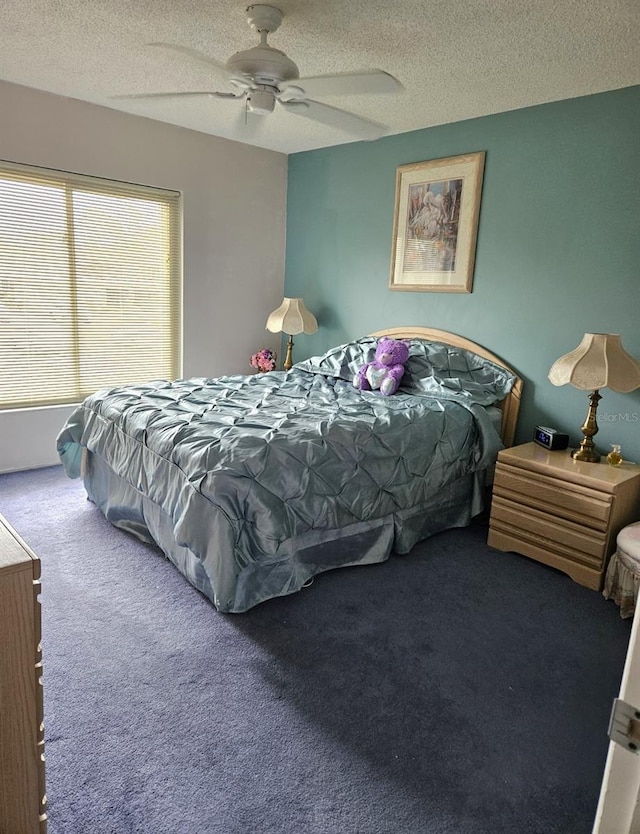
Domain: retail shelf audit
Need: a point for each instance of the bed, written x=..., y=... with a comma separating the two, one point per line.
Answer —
x=251, y=485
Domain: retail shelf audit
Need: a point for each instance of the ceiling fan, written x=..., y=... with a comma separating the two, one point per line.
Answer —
x=263, y=77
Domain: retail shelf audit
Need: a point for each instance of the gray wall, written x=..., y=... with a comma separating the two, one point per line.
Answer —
x=558, y=249
x=234, y=199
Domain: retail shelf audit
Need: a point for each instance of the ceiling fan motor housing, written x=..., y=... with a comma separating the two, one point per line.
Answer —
x=264, y=64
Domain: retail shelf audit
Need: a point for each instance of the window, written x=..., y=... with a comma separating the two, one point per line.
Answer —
x=90, y=285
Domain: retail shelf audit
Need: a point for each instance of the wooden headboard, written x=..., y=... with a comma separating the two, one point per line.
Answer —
x=510, y=406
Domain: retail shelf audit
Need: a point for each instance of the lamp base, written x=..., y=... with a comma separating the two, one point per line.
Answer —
x=288, y=360
x=586, y=454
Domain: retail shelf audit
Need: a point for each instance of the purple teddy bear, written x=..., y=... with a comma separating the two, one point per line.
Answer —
x=387, y=369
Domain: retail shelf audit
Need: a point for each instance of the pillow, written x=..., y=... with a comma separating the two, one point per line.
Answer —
x=433, y=369
x=438, y=369
x=343, y=361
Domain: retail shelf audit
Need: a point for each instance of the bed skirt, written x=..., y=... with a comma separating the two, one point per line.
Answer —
x=298, y=559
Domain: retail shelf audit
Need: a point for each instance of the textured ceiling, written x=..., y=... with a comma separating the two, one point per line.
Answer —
x=456, y=59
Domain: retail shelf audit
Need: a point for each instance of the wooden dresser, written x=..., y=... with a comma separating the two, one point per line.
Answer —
x=562, y=512
x=22, y=791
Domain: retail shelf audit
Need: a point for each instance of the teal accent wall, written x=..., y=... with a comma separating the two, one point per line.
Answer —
x=558, y=251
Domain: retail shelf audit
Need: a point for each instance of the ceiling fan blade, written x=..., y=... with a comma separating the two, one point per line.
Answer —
x=199, y=94
x=199, y=56
x=333, y=117
x=368, y=82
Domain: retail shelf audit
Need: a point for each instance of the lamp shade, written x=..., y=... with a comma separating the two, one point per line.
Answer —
x=292, y=317
x=599, y=361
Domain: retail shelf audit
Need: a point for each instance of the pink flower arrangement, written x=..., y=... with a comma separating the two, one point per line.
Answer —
x=264, y=360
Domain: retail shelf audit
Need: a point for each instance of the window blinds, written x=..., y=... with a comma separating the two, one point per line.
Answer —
x=90, y=285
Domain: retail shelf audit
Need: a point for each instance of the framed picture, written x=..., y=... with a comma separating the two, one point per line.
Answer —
x=436, y=224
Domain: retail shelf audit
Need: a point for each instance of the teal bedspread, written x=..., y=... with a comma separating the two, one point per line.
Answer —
x=252, y=484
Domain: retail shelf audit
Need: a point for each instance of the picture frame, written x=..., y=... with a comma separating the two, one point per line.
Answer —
x=435, y=228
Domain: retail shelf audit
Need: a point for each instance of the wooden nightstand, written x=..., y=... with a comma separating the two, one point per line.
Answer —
x=562, y=512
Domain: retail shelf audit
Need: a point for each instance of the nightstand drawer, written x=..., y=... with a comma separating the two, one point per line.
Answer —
x=585, y=546
x=554, y=497
x=504, y=539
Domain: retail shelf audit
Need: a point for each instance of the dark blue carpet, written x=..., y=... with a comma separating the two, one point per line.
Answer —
x=457, y=689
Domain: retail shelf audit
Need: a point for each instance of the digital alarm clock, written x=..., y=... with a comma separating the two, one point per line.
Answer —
x=550, y=438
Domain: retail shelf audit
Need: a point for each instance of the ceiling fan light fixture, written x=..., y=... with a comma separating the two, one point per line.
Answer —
x=261, y=101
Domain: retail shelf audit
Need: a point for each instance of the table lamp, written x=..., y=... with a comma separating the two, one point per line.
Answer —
x=599, y=361
x=291, y=317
